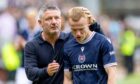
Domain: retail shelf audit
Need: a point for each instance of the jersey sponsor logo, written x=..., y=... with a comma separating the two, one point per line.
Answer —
x=85, y=67
x=81, y=58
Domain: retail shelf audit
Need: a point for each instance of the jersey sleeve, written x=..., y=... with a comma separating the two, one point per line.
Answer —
x=108, y=54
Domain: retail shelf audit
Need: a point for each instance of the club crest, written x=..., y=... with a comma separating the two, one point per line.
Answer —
x=81, y=58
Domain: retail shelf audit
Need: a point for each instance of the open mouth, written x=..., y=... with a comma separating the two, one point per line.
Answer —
x=78, y=38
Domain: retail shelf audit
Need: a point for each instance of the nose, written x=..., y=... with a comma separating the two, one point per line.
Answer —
x=53, y=20
x=78, y=33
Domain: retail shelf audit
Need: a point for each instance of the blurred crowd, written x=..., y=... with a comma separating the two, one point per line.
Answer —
x=18, y=25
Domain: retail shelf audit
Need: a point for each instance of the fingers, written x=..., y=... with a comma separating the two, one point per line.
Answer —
x=52, y=68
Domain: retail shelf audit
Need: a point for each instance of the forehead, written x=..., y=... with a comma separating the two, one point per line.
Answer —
x=81, y=23
x=52, y=13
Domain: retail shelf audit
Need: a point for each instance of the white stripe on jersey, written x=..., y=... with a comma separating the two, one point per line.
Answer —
x=110, y=64
x=66, y=70
x=88, y=39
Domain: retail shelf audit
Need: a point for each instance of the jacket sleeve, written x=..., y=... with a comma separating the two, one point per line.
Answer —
x=31, y=63
x=96, y=27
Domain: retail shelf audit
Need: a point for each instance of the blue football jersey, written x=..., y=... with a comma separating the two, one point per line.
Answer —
x=87, y=61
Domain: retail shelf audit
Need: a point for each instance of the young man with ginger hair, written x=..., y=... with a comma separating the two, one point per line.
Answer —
x=89, y=56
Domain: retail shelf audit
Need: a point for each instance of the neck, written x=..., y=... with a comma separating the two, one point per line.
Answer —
x=88, y=37
x=88, y=34
x=51, y=38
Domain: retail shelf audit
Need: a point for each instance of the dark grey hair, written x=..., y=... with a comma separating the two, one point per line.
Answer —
x=46, y=7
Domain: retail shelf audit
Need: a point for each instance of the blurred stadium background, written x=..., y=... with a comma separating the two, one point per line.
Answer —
x=114, y=16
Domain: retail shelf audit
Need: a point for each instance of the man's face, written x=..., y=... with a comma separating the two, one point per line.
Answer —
x=80, y=29
x=51, y=21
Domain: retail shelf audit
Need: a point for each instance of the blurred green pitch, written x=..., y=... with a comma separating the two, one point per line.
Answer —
x=131, y=79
